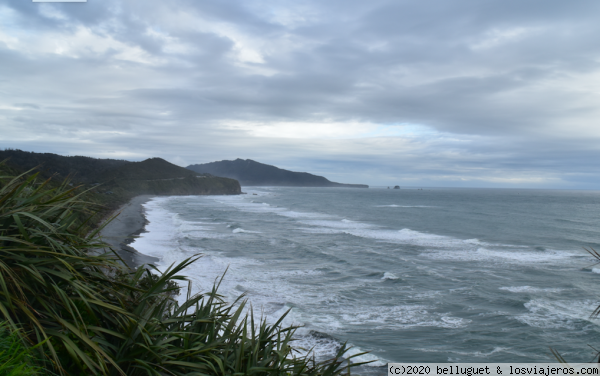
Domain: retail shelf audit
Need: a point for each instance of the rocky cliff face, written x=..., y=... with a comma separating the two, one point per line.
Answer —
x=249, y=173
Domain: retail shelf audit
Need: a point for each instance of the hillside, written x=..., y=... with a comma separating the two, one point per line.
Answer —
x=114, y=182
x=150, y=169
x=249, y=172
x=156, y=176
x=79, y=168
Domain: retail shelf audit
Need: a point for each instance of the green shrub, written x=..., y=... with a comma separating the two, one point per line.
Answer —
x=50, y=286
x=92, y=315
x=15, y=358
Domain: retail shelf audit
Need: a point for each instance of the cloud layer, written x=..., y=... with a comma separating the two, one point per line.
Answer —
x=412, y=92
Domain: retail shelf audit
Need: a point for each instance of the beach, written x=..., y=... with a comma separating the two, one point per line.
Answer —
x=123, y=230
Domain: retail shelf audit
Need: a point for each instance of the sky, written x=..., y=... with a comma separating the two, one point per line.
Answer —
x=453, y=93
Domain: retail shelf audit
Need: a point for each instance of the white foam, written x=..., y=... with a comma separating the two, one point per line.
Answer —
x=407, y=236
x=404, y=206
x=244, y=204
x=554, y=314
x=161, y=231
x=529, y=289
x=295, y=214
x=344, y=224
x=510, y=256
x=388, y=275
x=402, y=317
x=326, y=347
x=241, y=230
x=375, y=361
x=478, y=242
x=596, y=270
x=365, y=230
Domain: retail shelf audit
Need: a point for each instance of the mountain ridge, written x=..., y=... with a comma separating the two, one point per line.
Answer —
x=117, y=181
x=252, y=173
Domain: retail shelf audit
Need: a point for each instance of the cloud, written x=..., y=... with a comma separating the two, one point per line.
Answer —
x=481, y=93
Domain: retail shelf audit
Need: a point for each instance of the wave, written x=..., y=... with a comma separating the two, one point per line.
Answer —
x=388, y=275
x=319, y=223
x=402, y=317
x=327, y=347
x=404, y=206
x=511, y=256
x=339, y=284
x=252, y=206
x=344, y=224
x=365, y=230
x=556, y=314
x=529, y=289
x=245, y=275
x=241, y=230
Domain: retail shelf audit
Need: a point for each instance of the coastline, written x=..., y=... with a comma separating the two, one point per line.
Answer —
x=123, y=230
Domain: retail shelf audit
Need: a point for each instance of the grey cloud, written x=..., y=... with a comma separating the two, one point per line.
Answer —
x=382, y=62
x=27, y=105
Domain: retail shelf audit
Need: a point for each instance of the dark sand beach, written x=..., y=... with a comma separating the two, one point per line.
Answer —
x=124, y=228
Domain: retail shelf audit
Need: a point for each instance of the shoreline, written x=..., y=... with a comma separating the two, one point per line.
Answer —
x=123, y=230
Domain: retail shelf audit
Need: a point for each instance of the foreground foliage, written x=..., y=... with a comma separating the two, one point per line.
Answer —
x=15, y=358
x=89, y=314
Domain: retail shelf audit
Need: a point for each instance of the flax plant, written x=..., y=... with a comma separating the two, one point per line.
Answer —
x=207, y=336
x=88, y=313
x=16, y=359
x=51, y=286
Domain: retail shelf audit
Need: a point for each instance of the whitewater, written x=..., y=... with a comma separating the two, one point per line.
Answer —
x=433, y=275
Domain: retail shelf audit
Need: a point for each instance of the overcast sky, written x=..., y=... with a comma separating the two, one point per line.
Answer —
x=469, y=93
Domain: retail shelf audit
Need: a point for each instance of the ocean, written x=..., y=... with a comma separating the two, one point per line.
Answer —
x=432, y=275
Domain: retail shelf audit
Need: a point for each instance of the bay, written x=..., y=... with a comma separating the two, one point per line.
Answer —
x=432, y=275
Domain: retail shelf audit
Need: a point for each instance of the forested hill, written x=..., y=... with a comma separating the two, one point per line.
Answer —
x=249, y=172
x=118, y=180
x=79, y=168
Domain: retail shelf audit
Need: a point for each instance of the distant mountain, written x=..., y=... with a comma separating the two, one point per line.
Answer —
x=249, y=172
x=121, y=179
x=150, y=169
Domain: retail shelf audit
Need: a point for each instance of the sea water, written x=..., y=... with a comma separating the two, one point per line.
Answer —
x=432, y=275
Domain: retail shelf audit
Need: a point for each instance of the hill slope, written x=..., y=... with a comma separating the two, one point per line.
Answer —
x=79, y=168
x=117, y=181
x=150, y=169
x=249, y=172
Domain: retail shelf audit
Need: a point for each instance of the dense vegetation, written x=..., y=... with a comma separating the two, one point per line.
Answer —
x=115, y=182
x=75, y=312
x=16, y=359
x=80, y=169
